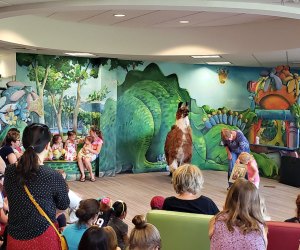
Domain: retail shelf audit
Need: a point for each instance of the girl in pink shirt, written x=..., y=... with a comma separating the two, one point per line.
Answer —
x=252, y=168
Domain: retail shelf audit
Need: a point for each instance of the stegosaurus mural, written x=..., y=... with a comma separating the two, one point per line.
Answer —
x=135, y=127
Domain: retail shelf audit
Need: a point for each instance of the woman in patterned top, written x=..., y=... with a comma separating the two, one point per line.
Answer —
x=240, y=225
x=85, y=162
x=27, y=228
x=235, y=143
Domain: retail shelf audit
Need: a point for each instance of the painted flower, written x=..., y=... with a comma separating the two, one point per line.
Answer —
x=22, y=111
x=11, y=118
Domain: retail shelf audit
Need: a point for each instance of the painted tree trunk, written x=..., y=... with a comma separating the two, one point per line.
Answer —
x=76, y=109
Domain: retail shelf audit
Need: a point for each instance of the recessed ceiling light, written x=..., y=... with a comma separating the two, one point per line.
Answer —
x=184, y=21
x=119, y=15
x=218, y=63
x=80, y=54
x=206, y=56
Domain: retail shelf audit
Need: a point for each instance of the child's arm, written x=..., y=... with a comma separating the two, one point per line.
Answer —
x=254, y=167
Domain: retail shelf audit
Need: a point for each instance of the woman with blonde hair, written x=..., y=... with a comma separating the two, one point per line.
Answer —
x=144, y=236
x=188, y=182
x=240, y=225
x=111, y=238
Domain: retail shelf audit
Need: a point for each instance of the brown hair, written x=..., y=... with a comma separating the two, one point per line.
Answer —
x=12, y=136
x=55, y=138
x=298, y=205
x=87, y=209
x=89, y=138
x=144, y=236
x=111, y=237
x=242, y=207
x=70, y=133
x=225, y=133
x=35, y=138
x=97, y=131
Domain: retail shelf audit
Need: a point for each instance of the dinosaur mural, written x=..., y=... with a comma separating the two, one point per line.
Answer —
x=144, y=113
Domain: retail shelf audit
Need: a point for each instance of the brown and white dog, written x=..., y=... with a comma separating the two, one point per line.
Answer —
x=178, y=145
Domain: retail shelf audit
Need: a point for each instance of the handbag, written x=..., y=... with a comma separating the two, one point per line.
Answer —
x=63, y=242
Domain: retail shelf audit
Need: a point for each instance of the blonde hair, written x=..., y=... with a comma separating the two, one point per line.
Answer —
x=242, y=207
x=144, y=236
x=245, y=157
x=111, y=237
x=187, y=178
x=226, y=133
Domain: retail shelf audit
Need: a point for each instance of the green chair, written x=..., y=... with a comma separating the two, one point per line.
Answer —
x=181, y=231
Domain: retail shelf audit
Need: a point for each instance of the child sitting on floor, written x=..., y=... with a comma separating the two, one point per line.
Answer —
x=71, y=147
x=118, y=224
x=85, y=150
x=57, y=148
x=105, y=211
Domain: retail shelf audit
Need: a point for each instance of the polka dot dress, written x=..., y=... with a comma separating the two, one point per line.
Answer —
x=48, y=189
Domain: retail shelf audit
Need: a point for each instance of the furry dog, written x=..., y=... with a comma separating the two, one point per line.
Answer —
x=178, y=145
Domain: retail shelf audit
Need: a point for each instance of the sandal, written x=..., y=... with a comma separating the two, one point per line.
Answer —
x=92, y=179
x=82, y=179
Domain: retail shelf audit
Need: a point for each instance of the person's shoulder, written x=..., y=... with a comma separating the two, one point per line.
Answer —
x=206, y=199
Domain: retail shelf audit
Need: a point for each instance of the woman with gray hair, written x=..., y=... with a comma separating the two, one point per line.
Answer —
x=187, y=182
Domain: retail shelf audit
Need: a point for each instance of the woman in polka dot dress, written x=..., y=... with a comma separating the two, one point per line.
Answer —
x=27, y=228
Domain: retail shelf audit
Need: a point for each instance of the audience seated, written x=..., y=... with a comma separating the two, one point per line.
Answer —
x=94, y=238
x=87, y=214
x=297, y=218
x=10, y=147
x=112, y=238
x=117, y=223
x=144, y=236
x=240, y=225
x=105, y=212
x=187, y=182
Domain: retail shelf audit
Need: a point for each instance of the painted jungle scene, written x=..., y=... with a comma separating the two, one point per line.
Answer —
x=135, y=102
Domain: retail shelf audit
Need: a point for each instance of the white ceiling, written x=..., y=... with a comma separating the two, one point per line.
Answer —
x=246, y=33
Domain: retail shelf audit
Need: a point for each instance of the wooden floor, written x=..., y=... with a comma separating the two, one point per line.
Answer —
x=138, y=189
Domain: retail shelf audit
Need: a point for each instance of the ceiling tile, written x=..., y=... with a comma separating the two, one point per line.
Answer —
x=76, y=16
x=156, y=18
x=108, y=18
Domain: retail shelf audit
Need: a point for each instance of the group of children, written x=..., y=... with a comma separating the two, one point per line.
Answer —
x=68, y=150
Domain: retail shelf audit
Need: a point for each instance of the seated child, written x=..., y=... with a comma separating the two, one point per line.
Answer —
x=157, y=202
x=252, y=168
x=105, y=212
x=71, y=147
x=57, y=148
x=85, y=150
x=118, y=224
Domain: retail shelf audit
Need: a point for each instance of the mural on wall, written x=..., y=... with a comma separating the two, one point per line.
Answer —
x=223, y=74
x=135, y=104
x=65, y=88
x=144, y=113
x=275, y=97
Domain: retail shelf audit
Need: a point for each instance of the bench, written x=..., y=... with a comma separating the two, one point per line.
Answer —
x=181, y=231
x=71, y=168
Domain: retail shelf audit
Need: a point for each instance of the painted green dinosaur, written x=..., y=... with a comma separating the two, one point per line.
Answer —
x=135, y=127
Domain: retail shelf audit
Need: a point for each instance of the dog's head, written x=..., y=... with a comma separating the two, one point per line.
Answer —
x=183, y=110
